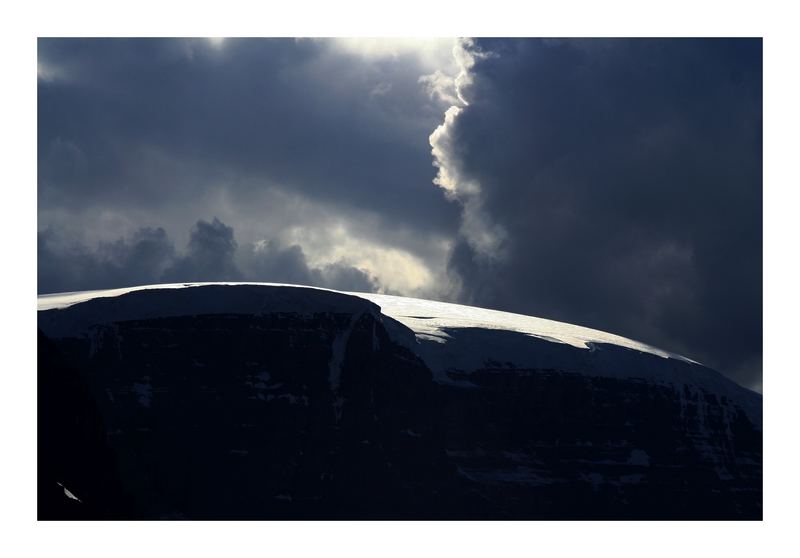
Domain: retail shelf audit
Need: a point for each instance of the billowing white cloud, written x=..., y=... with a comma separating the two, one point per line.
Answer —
x=483, y=235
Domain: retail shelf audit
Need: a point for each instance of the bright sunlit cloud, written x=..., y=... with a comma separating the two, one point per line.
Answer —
x=433, y=53
x=397, y=270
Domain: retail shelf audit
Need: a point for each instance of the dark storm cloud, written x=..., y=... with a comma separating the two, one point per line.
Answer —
x=271, y=262
x=281, y=265
x=212, y=254
x=157, y=124
x=69, y=266
x=627, y=178
x=341, y=276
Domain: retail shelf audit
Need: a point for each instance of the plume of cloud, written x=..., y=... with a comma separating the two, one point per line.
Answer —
x=627, y=177
x=481, y=233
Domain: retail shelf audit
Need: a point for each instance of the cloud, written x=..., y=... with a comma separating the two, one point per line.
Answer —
x=145, y=123
x=212, y=254
x=269, y=261
x=269, y=135
x=626, y=177
x=485, y=237
x=342, y=276
x=209, y=255
x=68, y=266
x=430, y=53
x=149, y=251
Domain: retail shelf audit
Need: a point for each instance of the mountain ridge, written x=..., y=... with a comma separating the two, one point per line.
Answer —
x=356, y=415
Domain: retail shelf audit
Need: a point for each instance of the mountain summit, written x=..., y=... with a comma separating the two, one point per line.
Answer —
x=262, y=401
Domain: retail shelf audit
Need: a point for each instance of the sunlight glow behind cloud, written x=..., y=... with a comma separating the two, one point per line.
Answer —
x=433, y=53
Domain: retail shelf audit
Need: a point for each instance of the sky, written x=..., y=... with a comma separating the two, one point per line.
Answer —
x=615, y=184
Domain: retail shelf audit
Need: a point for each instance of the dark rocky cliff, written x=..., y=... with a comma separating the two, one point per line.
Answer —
x=324, y=415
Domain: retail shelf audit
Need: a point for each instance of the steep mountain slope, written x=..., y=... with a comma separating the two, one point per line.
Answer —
x=266, y=401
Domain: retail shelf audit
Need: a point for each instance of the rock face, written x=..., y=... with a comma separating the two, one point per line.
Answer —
x=254, y=402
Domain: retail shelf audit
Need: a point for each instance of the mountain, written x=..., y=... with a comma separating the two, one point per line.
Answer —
x=262, y=401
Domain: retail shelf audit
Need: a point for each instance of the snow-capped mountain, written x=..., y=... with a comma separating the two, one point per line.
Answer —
x=272, y=401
